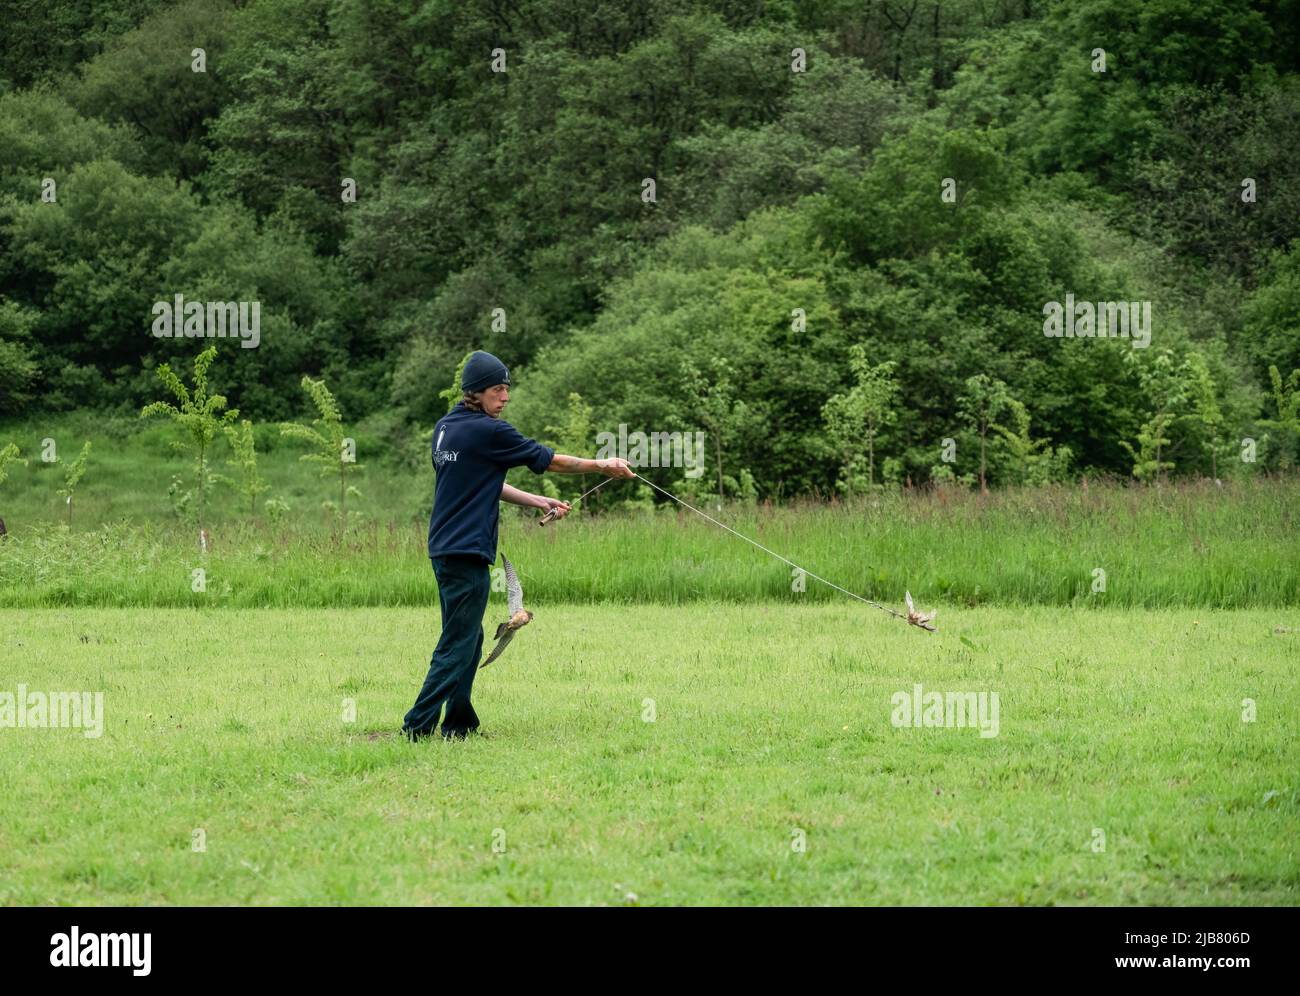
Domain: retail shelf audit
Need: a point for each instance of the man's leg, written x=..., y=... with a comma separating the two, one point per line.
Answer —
x=463, y=604
x=461, y=718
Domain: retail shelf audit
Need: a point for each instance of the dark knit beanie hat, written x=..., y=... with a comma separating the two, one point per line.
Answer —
x=482, y=370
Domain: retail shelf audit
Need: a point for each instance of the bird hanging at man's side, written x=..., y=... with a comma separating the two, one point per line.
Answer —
x=519, y=616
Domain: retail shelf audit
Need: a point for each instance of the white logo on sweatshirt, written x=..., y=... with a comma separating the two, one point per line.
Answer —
x=441, y=456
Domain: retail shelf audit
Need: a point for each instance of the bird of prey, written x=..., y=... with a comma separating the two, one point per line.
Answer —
x=915, y=618
x=519, y=616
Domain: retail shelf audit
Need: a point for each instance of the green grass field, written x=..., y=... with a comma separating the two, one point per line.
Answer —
x=679, y=725
x=1187, y=547
x=1116, y=727
x=1192, y=544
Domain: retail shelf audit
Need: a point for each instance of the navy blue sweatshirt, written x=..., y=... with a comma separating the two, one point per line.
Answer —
x=471, y=453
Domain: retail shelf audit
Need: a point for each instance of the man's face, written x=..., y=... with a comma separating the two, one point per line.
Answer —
x=495, y=398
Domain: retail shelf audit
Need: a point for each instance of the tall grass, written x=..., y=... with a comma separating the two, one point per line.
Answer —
x=1193, y=544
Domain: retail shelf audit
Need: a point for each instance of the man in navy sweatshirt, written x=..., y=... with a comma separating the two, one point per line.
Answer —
x=472, y=450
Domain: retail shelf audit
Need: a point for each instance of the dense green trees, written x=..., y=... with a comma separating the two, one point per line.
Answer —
x=911, y=202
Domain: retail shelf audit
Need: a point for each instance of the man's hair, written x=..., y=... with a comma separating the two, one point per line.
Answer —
x=473, y=399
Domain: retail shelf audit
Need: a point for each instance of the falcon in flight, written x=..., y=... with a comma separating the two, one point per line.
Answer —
x=519, y=616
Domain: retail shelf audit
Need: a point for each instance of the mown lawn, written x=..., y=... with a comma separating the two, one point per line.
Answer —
x=771, y=724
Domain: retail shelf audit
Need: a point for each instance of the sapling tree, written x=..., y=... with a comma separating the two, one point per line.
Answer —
x=1205, y=405
x=200, y=415
x=73, y=477
x=453, y=394
x=249, y=483
x=714, y=404
x=1286, y=397
x=980, y=405
x=1165, y=385
x=858, y=416
x=276, y=509
x=1147, y=465
x=335, y=451
x=9, y=453
x=1033, y=461
x=574, y=434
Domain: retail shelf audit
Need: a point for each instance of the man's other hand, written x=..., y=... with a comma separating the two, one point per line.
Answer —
x=560, y=508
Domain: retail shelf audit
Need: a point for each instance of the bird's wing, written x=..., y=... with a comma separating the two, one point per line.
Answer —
x=514, y=592
x=908, y=596
x=501, y=645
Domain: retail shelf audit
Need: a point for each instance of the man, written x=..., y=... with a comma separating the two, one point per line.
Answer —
x=472, y=450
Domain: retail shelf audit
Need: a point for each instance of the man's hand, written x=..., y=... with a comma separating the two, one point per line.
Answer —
x=615, y=467
x=555, y=508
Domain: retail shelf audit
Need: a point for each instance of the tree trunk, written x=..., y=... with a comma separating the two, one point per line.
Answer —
x=203, y=472
x=717, y=440
x=984, y=488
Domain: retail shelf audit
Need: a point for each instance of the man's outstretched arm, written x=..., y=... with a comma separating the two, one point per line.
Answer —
x=562, y=463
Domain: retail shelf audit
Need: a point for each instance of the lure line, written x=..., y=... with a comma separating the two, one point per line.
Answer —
x=883, y=608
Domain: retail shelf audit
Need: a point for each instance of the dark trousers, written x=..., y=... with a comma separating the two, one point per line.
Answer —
x=463, y=586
